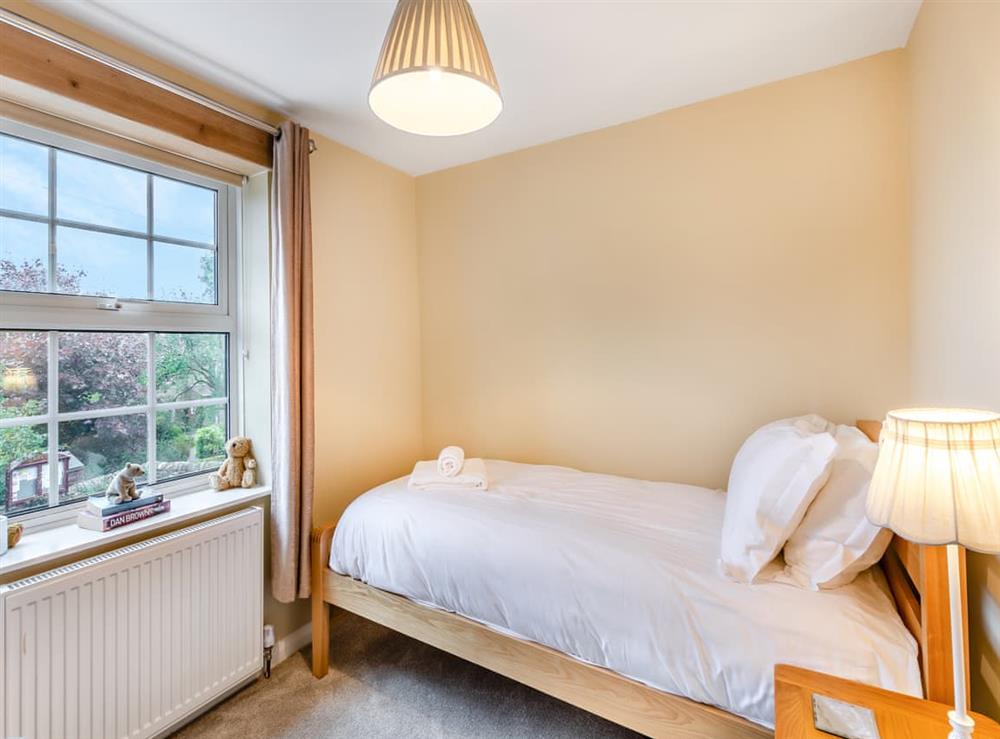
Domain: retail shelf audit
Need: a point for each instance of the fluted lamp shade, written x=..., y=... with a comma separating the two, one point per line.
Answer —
x=937, y=478
x=434, y=76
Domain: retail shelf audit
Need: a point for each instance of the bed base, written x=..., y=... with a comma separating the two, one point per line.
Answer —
x=916, y=574
x=594, y=689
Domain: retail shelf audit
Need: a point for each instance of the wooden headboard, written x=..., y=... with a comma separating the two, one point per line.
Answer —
x=918, y=577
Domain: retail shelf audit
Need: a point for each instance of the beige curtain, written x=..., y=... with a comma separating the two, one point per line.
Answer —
x=291, y=365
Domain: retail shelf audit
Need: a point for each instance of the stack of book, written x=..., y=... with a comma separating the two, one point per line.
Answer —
x=101, y=514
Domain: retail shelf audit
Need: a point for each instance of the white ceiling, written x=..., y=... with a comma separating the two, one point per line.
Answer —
x=565, y=66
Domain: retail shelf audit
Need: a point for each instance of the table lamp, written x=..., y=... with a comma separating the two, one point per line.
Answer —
x=937, y=481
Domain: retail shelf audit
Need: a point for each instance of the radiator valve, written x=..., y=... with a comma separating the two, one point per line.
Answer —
x=268, y=648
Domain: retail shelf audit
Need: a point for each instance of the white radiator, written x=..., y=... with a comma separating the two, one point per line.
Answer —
x=129, y=643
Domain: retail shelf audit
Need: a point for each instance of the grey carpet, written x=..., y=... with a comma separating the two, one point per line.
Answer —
x=383, y=684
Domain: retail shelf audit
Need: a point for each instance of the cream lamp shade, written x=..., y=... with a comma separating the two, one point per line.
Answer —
x=937, y=478
x=434, y=76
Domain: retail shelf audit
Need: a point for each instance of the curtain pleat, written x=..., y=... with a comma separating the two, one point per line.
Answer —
x=292, y=385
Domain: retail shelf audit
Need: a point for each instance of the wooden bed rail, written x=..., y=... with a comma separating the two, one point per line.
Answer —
x=595, y=689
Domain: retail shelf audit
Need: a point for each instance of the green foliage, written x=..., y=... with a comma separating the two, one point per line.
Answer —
x=172, y=442
x=187, y=434
x=190, y=366
x=26, y=408
x=209, y=441
x=101, y=370
x=105, y=445
x=18, y=441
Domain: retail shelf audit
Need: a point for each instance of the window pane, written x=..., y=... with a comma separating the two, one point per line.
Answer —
x=24, y=469
x=24, y=176
x=184, y=274
x=103, y=194
x=98, y=448
x=183, y=211
x=102, y=370
x=189, y=440
x=24, y=360
x=24, y=255
x=190, y=366
x=101, y=264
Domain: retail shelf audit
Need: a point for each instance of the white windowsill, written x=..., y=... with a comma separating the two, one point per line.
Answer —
x=39, y=547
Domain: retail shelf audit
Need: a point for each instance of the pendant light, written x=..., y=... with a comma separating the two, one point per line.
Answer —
x=434, y=76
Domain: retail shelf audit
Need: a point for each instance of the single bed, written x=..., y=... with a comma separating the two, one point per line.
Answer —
x=604, y=591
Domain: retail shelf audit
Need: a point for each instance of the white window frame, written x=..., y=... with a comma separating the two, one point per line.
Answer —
x=54, y=312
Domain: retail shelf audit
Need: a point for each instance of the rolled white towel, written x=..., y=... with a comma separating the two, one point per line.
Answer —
x=450, y=461
x=472, y=477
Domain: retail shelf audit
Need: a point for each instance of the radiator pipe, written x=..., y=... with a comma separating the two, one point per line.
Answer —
x=268, y=649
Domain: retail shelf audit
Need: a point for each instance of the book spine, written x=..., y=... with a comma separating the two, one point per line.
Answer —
x=139, y=514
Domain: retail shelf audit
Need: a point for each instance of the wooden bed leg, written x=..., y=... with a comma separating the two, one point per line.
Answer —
x=320, y=636
x=321, y=538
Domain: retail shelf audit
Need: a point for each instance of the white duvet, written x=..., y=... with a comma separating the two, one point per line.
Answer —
x=623, y=574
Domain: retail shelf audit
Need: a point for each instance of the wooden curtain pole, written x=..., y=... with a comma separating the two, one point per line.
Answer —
x=44, y=59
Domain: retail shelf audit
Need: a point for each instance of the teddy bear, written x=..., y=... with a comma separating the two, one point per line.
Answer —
x=240, y=468
x=122, y=488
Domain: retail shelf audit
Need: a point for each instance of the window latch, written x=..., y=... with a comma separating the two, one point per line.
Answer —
x=111, y=304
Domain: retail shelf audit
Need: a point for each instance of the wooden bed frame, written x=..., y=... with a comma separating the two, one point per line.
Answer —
x=917, y=576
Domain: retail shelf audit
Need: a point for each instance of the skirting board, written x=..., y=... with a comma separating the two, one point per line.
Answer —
x=289, y=645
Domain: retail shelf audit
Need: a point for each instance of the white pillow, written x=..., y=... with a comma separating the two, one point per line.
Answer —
x=775, y=476
x=835, y=541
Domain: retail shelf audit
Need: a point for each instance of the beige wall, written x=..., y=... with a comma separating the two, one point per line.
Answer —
x=954, y=97
x=636, y=300
x=368, y=395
